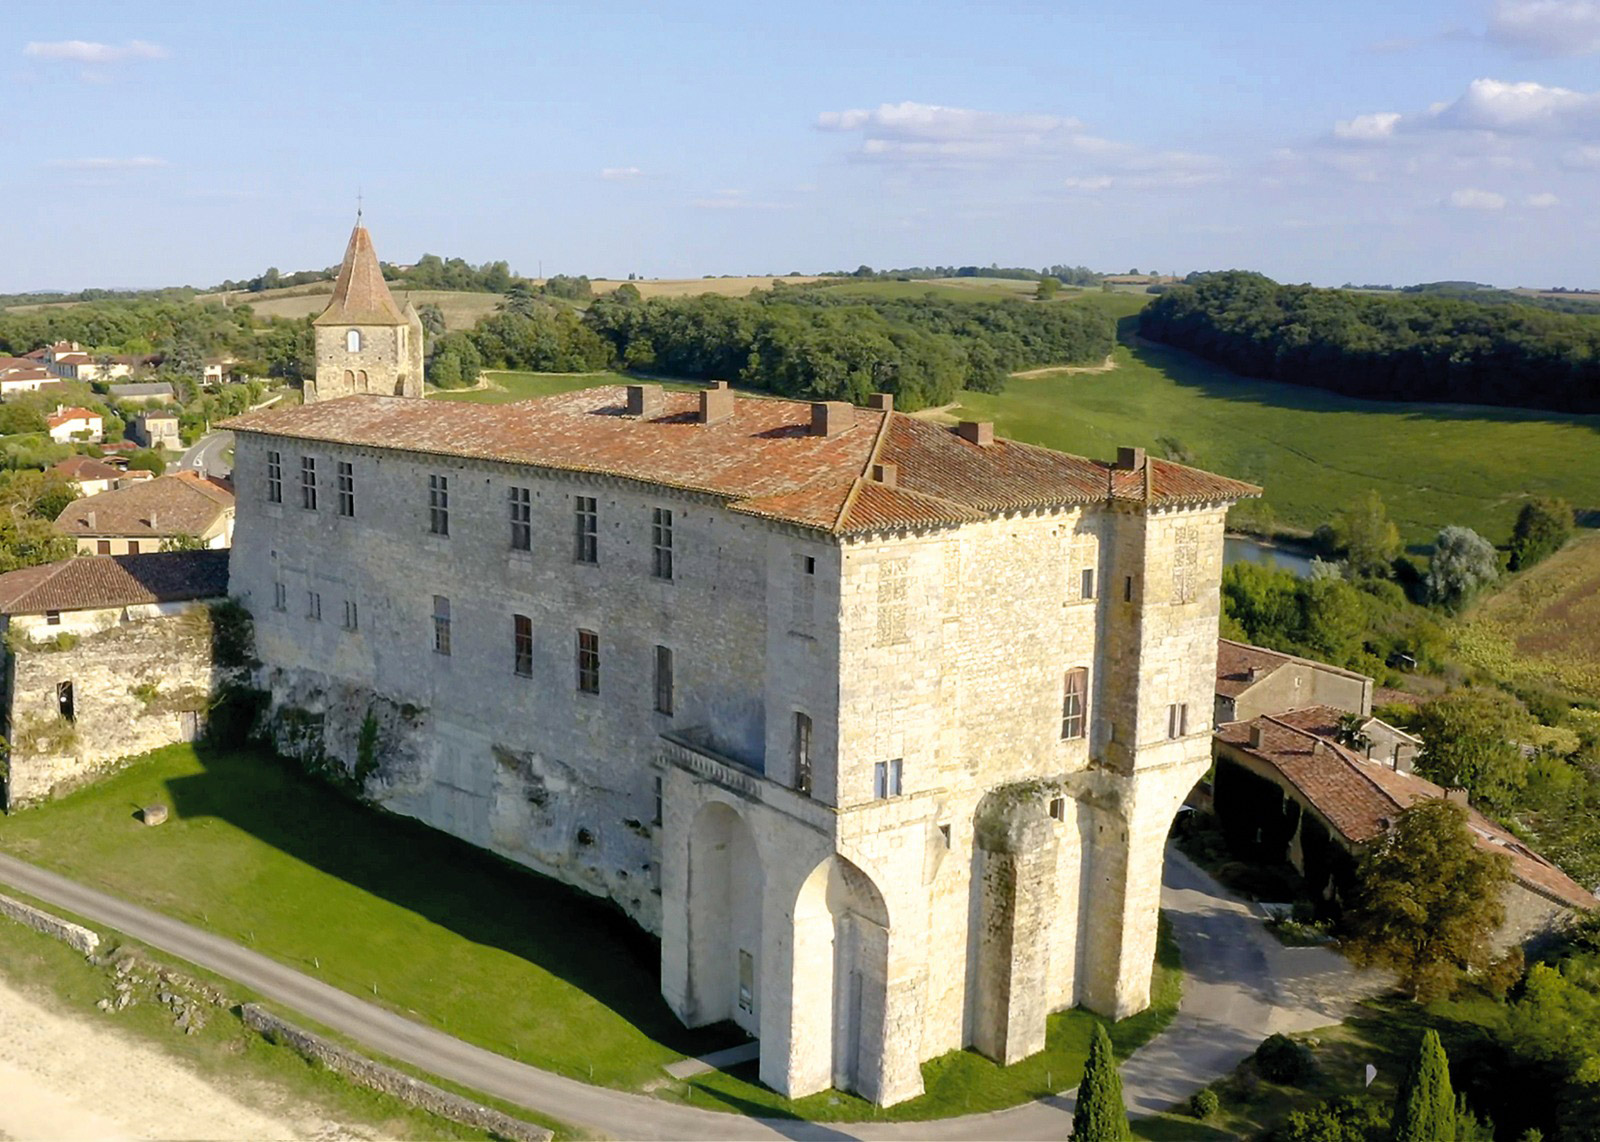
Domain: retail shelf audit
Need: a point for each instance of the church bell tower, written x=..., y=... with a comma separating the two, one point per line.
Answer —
x=365, y=342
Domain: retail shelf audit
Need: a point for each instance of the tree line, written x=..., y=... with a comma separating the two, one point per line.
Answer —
x=1409, y=347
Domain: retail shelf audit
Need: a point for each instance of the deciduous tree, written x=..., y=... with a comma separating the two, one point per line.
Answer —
x=1462, y=563
x=1542, y=526
x=1365, y=535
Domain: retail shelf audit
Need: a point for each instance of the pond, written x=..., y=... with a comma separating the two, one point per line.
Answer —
x=1241, y=549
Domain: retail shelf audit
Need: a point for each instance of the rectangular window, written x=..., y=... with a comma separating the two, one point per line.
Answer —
x=52, y=618
x=1074, y=702
x=1086, y=587
x=345, y=474
x=663, y=680
x=656, y=820
x=441, y=625
x=886, y=778
x=1177, y=719
x=803, y=603
x=747, y=981
x=351, y=620
x=102, y=547
x=439, y=505
x=1127, y=589
x=587, y=522
x=314, y=606
x=280, y=597
x=522, y=646
x=1058, y=808
x=661, y=543
x=588, y=662
x=802, y=753
x=521, y=502
x=133, y=547
x=308, y=483
x=274, y=477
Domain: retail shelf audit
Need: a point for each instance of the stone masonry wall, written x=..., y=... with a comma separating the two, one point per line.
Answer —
x=390, y=356
x=141, y=678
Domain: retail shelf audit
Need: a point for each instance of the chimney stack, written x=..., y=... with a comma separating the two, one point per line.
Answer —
x=1456, y=795
x=882, y=402
x=979, y=432
x=88, y=519
x=886, y=474
x=716, y=403
x=832, y=418
x=1130, y=459
x=644, y=401
x=1254, y=673
x=1255, y=735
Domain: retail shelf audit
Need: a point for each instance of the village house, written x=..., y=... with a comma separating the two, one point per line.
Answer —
x=157, y=430
x=148, y=392
x=881, y=725
x=93, y=476
x=1293, y=790
x=145, y=515
x=27, y=378
x=75, y=425
x=217, y=371
x=106, y=658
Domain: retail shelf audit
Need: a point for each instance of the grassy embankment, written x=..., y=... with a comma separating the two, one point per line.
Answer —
x=222, y=1050
x=405, y=916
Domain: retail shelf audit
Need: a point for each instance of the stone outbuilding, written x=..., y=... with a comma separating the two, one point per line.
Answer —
x=142, y=392
x=105, y=658
x=365, y=342
x=140, y=517
x=880, y=724
x=1253, y=680
x=1289, y=790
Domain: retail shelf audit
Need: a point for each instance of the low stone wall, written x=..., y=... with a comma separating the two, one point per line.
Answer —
x=73, y=935
x=360, y=1069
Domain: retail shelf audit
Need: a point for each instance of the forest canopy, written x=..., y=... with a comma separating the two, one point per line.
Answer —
x=1407, y=346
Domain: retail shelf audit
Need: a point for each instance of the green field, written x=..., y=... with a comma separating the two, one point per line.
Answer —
x=408, y=917
x=503, y=386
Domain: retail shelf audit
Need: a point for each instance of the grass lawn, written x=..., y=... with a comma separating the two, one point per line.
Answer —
x=505, y=386
x=406, y=916
x=1313, y=451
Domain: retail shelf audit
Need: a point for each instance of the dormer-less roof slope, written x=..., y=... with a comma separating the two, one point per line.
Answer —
x=360, y=295
x=762, y=458
x=185, y=504
x=90, y=582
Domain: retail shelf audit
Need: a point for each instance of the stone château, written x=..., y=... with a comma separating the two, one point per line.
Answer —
x=879, y=724
x=365, y=343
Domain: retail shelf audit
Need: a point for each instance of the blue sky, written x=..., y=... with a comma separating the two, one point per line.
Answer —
x=154, y=144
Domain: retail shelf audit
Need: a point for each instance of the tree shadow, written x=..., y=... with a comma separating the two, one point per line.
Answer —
x=587, y=942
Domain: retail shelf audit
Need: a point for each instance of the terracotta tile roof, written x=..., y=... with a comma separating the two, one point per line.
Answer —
x=1235, y=660
x=72, y=358
x=762, y=458
x=91, y=581
x=87, y=468
x=360, y=295
x=9, y=363
x=19, y=376
x=1359, y=798
x=184, y=504
x=66, y=415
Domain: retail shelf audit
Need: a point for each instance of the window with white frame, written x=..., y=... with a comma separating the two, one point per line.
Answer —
x=588, y=662
x=1074, y=703
x=274, y=477
x=520, y=503
x=886, y=778
x=1177, y=719
x=661, y=543
x=586, y=524
x=345, y=484
x=308, y=483
x=439, y=504
x=441, y=625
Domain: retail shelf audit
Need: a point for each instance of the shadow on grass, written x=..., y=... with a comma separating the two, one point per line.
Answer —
x=585, y=941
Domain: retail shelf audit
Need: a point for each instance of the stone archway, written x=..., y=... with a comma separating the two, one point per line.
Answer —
x=725, y=891
x=841, y=959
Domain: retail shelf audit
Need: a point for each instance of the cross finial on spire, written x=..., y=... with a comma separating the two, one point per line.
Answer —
x=358, y=204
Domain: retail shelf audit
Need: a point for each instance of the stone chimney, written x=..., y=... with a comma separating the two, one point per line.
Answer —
x=886, y=474
x=88, y=520
x=1253, y=673
x=1457, y=795
x=883, y=402
x=152, y=521
x=716, y=403
x=1130, y=459
x=644, y=401
x=979, y=432
x=831, y=418
x=1255, y=735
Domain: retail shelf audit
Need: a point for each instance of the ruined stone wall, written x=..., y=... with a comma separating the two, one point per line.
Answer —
x=142, y=677
x=528, y=767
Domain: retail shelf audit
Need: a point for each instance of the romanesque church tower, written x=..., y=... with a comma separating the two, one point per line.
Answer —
x=365, y=342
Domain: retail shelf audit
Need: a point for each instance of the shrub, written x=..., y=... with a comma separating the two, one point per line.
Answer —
x=1204, y=1103
x=1282, y=1060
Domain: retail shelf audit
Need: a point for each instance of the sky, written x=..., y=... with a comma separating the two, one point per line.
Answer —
x=1360, y=141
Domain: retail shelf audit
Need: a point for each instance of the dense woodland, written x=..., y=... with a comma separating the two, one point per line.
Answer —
x=1413, y=347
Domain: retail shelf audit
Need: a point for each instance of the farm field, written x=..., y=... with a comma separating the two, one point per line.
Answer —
x=1543, y=628
x=461, y=309
x=501, y=957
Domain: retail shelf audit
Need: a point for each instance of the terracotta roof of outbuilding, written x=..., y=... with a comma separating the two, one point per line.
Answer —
x=762, y=458
x=1359, y=797
x=66, y=415
x=1235, y=660
x=92, y=581
x=183, y=504
x=360, y=295
x=19, y=376
x=87, y=468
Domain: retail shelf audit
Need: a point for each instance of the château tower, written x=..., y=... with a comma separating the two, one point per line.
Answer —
x=365, y=342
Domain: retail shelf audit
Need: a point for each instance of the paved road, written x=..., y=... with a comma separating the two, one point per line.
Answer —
x=206, y=455
x=1240, y=987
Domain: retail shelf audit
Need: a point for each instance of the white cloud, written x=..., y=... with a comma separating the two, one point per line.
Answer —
x=620, y=174
x=137, y=162
x=1469, y=198
x=88, y=51
x=1517, y=108
x=1582, y=158
x=1368, y=128
x=1547, y=27
x=1541, y=201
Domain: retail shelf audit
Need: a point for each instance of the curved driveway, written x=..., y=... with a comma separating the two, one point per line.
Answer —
x=1240, y=986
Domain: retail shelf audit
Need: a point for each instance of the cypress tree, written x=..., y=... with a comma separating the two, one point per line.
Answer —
x=1425, y=1106
x=1100, y=1115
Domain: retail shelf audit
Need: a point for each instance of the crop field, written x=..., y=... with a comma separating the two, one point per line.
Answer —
x=461, y=310
x=1543, y=628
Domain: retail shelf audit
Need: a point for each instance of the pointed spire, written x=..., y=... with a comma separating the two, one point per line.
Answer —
x=360, y=295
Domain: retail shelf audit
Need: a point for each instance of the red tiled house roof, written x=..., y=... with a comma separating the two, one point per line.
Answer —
x=184, y=504
x=89, y=582
x=762, y=458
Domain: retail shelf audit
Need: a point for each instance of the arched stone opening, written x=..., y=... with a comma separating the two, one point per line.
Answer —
x=361, y=380
x=841, y=971
x=349, y=380
x=725, y=891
